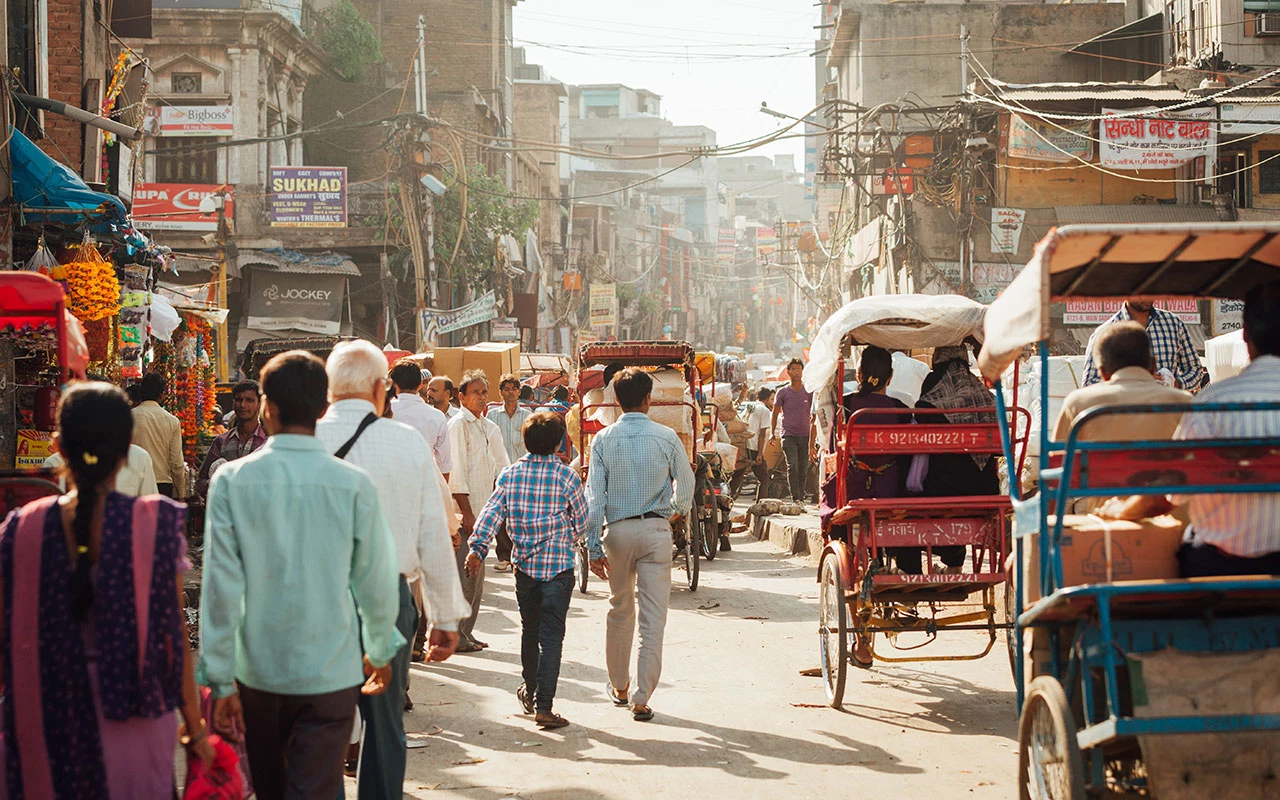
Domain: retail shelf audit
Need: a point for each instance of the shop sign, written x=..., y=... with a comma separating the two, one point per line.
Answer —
x=1037, y=140
x=1163, y=142
x=603, y=305
x=726, y=247
x=766, y=244
x=308, y=197
x=893, y=181
x=1250, y=119
x=1096, y=312
x=284, y=301
x=1006, y=229
x=176, y=206
x=169, y=120
x=504, y=329
x=33, y=448
x=1228, y=316
x=436, y=321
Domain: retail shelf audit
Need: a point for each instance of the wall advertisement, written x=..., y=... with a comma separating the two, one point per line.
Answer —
x=1037, y=140
x=1096, y=312
x=307, y=197
x=171, y=120
x=291, y=301
x=436, y=321
x=603, y=305
x=1171, y=140
x=176, y=206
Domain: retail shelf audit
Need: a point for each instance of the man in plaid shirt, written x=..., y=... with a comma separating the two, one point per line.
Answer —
x=1170, y=343
x=545, y=510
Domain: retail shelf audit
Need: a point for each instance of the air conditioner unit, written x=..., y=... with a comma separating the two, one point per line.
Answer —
x=1267, y=24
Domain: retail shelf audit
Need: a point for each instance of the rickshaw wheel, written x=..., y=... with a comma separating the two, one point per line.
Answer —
x=1050, y=766
x=692, y=531
x=833, y=631
x=1010, y=635
x=708, y=521
x=581, y=567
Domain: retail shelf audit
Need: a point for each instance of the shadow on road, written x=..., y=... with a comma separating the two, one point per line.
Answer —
x=947, y=704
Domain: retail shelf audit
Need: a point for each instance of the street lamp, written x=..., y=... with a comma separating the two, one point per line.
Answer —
x=764, y=109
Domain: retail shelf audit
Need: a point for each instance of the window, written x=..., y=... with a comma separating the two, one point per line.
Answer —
x=1269, y=171
x=185, y=82
x=186, y=159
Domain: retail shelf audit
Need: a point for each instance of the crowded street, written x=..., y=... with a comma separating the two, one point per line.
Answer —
x=737, y=718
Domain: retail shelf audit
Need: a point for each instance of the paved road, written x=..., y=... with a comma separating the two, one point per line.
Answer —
x=735, y=719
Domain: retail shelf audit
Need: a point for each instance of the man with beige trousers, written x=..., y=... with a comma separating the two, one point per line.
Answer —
x=635, y=463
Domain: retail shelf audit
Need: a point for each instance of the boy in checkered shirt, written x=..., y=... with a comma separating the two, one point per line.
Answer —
x=542, y=502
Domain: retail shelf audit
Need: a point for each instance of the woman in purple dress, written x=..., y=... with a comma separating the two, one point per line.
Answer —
x=92, y=634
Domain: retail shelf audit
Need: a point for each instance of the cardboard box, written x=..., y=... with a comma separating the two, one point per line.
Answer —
x=1096, y=550
x=496, y=359
x=447, y=362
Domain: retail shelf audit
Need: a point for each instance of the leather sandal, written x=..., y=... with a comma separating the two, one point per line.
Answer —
x=526, y=702
x=618, y=699
x=641, y=713
x=549, y=720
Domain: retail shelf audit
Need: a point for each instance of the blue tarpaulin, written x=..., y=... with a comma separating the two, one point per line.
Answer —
x=43, y=187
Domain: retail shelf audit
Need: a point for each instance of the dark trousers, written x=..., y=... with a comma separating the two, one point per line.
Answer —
x=503, y=546
x=382, y=757
x=910, y=558
x=1198, y=559
x=296, y=743
x=543, y=608
x=165, y=489
x=796, y=449
x=739, y=475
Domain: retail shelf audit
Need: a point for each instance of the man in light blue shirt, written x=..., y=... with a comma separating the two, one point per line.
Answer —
x=634, y=463
x=293, y=535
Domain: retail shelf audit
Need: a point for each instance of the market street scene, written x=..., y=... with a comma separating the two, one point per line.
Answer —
x=551, y=399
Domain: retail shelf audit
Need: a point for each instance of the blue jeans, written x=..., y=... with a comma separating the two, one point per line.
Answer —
x=543, y=608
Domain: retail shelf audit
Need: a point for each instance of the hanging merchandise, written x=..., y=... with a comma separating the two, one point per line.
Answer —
x=42, y=261
x=93, y=293
x=187, y=364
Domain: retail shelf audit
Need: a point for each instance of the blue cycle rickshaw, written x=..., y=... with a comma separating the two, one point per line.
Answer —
x=1091, y=723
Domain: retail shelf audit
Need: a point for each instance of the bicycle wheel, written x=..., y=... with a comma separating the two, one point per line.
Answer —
x=1050, y=766
x=692, y=532
x=709, y=529
x=833, y=631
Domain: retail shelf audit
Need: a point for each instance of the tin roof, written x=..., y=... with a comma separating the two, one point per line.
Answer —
x=281, y=260
x=1157, y=212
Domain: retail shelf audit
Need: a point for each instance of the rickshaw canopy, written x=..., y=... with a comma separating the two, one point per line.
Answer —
x=899, y=321
x=636, y=354
x=1129, y=261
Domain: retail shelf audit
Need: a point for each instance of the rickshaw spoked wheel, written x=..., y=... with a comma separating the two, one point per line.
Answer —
x=708, y=513
x=1050, y=766
x=1010, y=635
x=692, y=531
x=833, y=630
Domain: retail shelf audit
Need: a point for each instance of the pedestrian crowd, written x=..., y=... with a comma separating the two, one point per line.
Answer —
x=340, y=546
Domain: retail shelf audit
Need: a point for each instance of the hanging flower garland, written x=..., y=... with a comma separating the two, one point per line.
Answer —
x=188, y=364
x=93, y=293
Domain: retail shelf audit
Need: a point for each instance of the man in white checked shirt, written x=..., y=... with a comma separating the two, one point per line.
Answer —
x=409, y=491
x=1170, y=344
x=1233, y=534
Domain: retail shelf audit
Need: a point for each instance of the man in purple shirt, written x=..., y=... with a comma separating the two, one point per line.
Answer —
x=794, y=403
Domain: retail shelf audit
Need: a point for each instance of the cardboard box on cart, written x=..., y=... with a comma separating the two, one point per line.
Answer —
x=447, y=363
x=496, y=359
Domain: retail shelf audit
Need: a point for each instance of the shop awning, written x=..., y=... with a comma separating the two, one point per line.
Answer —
x=280, y=260
x=47, y=191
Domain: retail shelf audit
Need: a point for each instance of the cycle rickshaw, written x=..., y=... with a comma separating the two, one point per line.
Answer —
x=1113, y=681
x=674, y=404
x=858, y=594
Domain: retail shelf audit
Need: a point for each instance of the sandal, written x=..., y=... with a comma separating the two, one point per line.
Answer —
x=469, y=647
x=617, y=699
x=480, y=644
x=550, y=720
x=418, y=657
x=856, y=650
x=641, y=713
x=526, y=702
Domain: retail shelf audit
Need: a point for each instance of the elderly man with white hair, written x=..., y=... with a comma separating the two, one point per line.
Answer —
x=409, y=490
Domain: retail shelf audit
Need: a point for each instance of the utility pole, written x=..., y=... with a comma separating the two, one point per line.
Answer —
x=964, y=60
x=220, y=203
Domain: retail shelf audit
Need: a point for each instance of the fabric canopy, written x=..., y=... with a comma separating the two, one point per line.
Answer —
x=43, y=187
x=1223, y=260
x=898, y=322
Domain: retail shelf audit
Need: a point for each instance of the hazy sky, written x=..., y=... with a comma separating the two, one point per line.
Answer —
x=712, y=61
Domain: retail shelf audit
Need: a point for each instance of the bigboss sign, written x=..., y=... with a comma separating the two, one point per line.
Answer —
x=176, y=206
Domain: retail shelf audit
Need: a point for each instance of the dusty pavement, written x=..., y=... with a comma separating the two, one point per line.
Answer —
x=734, y=716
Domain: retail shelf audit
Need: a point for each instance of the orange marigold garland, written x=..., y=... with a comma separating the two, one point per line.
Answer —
x=93, y=293
x=192, y=394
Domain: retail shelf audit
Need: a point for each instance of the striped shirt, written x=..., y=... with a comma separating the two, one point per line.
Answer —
x=511, y=427
x=1245, y=525
x=633, y=465
x=1170, y=343
x=542, y=502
